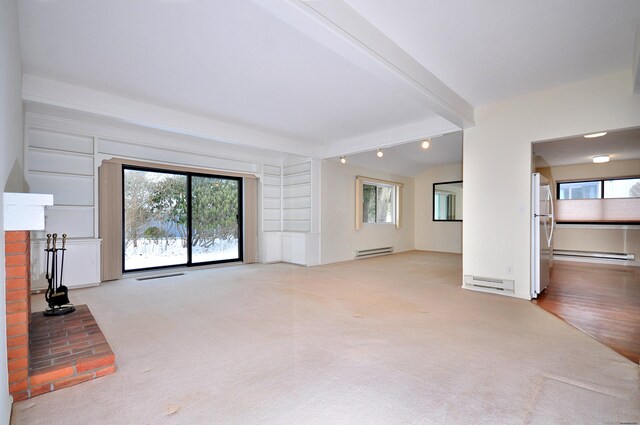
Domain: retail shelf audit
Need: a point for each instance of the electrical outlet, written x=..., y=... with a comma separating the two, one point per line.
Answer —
x=510, y=270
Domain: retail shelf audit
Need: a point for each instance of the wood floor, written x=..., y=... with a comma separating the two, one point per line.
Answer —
x=601, y=300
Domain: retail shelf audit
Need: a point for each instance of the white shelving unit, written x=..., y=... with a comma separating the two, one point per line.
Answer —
x=290, y=226
x=296, y=199
x=62, y=164
x=271, y=198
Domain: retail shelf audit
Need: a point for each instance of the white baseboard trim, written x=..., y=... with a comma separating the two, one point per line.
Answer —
x=593, y=260
x=6, y=418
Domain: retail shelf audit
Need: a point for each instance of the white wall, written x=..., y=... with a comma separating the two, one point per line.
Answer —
x=11, y=180
x=339, y=238
x=497, y=165
x=445, y=236
x=64, y=149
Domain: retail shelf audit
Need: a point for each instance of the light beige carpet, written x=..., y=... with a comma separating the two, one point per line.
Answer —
x=388, y=340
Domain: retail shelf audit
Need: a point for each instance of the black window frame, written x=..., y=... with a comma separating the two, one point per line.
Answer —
x=188, y=175
x=393, y=203
x=433, y=202
x=601, y=180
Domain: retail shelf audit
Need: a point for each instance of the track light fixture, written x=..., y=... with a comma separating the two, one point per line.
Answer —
x=343, y=160
x=380, y=153
x=593, y=135
x=425, y=144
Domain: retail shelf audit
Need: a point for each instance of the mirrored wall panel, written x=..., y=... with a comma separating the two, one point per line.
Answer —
x=447, y=201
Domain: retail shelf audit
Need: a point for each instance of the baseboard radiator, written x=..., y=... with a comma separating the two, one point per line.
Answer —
x=365, y=253
x=595, y=254
x=489, y=283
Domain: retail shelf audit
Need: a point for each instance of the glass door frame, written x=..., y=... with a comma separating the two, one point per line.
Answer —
x=188, y=175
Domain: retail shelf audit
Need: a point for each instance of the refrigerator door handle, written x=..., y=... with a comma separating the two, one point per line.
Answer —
x=553, y=219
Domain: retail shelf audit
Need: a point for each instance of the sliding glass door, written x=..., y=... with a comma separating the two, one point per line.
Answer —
x=215, y=230
x=172, y=219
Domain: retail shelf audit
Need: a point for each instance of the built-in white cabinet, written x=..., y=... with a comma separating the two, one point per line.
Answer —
x=290, y=222
x=293, y=248
x=81, y=263
x=301, y=248
x=62, y=163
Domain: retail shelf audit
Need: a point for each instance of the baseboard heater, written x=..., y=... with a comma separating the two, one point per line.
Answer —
x=595, y=254
x=364, y=253
x=490, y=283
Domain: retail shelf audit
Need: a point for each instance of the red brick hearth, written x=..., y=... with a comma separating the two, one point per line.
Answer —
x=47, y=353
x=66, y=350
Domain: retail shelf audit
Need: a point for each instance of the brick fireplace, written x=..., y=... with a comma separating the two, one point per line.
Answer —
x=18, y=286
x=45, y=353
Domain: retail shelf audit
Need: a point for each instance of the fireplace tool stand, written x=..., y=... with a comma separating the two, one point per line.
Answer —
x=57, y=294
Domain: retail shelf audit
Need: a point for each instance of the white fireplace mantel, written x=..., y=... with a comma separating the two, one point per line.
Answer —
x=25, y=211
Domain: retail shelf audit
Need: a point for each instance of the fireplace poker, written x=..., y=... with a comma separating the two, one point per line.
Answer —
x=48, y=250
x=64, y=242
x=57, y=293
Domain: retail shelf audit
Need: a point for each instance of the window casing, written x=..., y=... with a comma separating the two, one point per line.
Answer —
x=628, y=187
x=377, y=202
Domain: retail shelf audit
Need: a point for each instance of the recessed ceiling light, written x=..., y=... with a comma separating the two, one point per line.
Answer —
x=592, y=135
x=343, y=160
x=380, y=153
x=425, y=144
x=599, y=159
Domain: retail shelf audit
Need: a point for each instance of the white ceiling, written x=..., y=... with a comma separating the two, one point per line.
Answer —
x=318, y=78
x=496, y=49
x=410, y=159
x=619, y=145
x=231, y=60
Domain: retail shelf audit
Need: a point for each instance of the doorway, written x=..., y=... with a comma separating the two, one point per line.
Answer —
x=595, y=278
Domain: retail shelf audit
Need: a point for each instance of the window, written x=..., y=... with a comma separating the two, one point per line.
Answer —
x=175, y=218
x=622, y=188
x=580, y=190
x=378, y=203
x=602, y=201
x=600, y=189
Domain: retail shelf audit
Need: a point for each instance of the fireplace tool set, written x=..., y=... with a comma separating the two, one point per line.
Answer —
x=57, y=294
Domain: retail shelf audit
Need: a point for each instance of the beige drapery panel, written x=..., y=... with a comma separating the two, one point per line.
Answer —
x=110, y=212
x=250, y=228
x=110, y=219
x=360, y=200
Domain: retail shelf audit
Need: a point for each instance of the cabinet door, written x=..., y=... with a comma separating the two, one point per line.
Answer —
x=287, y=248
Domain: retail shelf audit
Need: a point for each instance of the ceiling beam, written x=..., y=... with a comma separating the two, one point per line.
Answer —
x=413, y=132
x=340, y=28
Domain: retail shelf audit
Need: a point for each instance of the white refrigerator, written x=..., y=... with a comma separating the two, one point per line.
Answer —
x=542, y=226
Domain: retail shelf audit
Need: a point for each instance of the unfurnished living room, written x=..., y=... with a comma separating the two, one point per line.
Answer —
x=320, y=212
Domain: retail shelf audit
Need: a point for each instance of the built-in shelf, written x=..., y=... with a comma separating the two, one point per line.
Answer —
x=296, y=184
x=271, y=198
